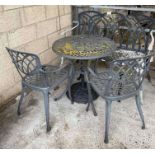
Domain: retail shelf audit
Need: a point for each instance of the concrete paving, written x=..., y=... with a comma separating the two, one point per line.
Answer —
x=73, y=127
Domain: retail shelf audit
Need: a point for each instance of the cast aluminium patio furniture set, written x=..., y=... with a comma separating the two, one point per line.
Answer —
x=124, y=47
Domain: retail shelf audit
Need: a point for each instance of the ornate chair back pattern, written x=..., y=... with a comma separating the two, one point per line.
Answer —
x=115, y=18
x=133, y=21
x=99, y=26
x=108, y=24
x=145, y=21
x=25, y=63
x=132, y=39
x=126, y=76
x=86, y=20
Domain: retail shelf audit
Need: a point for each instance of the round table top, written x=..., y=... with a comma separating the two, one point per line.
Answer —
x=84, y=47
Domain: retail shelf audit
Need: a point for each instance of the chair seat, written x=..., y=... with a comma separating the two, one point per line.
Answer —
x=47, y=79
x=123, y=86
x=124, y=54
x=119, y=87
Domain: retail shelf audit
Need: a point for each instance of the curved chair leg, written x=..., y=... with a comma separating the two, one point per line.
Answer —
x=21, y=101
x=46, y=104
x=140, y=110
x=141, y=95
x=107, y=120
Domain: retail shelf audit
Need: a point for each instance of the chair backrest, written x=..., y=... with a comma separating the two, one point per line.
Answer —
x=145, y=21
x=109, y=24
x=127, y=76
x=25, y=63
x=86, y=20
x=115, y=18
x=135, y=39
x=93, y=22
x=99, y=25
x=133, y=21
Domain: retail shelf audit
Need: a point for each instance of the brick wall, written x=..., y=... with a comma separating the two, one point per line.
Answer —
x=30, y=29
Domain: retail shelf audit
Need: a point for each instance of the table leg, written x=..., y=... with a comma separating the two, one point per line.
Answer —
x=79, y=90
x=90, y=100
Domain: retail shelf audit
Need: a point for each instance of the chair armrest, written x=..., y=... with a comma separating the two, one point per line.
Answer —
x=92, y=72
x=61, y=67
x=52, y=69
x=70, y=29
x=96, y=74
x=150, y=48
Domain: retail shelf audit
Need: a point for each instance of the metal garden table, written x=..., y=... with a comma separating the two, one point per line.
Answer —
x=83, y=48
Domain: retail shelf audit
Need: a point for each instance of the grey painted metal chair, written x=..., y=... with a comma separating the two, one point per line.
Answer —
x=132, y=42
x=122, y=80
x=36, y=76
x=148, y=23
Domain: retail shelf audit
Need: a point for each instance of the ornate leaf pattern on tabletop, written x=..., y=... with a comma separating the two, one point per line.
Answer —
x=84, y=46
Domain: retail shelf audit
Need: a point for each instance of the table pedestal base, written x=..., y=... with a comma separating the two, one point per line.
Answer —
x=79, y=93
